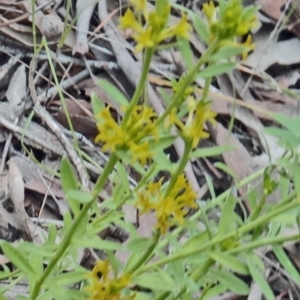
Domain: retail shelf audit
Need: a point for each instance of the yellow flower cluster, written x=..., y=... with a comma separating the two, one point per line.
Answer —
x=106, y=287
x=193, y=128
x=169, y=209
x=156, y=29
x=231, y=19
x=133, y=136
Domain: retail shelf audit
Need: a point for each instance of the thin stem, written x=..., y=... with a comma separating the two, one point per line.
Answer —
x=188, y=80
x=146, y=255
x=72, y=229
x=182, y=164
x=141, y=85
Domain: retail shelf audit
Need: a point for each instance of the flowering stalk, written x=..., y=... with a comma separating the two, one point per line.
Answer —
x=141, y=85
x=75, y=224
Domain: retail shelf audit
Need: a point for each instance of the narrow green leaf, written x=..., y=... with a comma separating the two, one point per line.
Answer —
x=292, y=124
x=194, y=242
x=285, y=261
x=97, y=105
x=52, y=233
x=139, y=244
x=157, y=281
x=216, y=69
x=226, y=219
x=210, y=185
x=165, y=96
x=68, y=178
x=79, y=196
x=96, y=243
x=229, y=261
x=18, y=259
x=186, y=52
x=113, y=92
x=215, y=291
x=123, y=175
x=201, y=27
x=259, y=278
x=70, y=277
x=232, y=282
x=163, y=143
x=225, y=169
x=228, y=51
x=211, y=151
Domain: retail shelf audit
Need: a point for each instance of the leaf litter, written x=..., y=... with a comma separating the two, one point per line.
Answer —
x=95, y=48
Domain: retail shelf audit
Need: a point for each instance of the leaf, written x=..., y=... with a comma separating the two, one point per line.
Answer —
x=18, y=259
x=165, y=96
x=160, y=281
x=211, y=151
x=227, y=52
x=286, y=263
x=68, y=178
x=216, y=69
x=285, y=137
x=96, y=243
x=52, y=233
x=139, y=244
x=123, y=177
x=225, y=169
x=113, y=92
x=194, y=242
x=70, y=277
x=79, y=196
x=292, y=124
x=97, y=105
x=230, y=262
x=259, y=278
x=232, y=282
x=163, y=143
x=200, y=27
x=215, y=291
x=38, y=250
x=186, y=52
x=162, y=161
x=226, y=219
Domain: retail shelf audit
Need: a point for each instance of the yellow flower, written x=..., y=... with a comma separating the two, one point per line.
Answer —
x=129, y=21
x=106, y=287
x=155, y=30
x=209, y=10
x=169, y=209
x=230, y=19
x=143, y=39
x=110, y=133
x=133, y=136
x=183, y=28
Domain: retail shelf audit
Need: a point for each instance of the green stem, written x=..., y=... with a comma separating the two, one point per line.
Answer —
x=72, y=229
x=218, y=240
x=188, y=80
x=182, y=164
x=140, y=87
x=206, y=89
x=146, y=255
x=260, y=243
